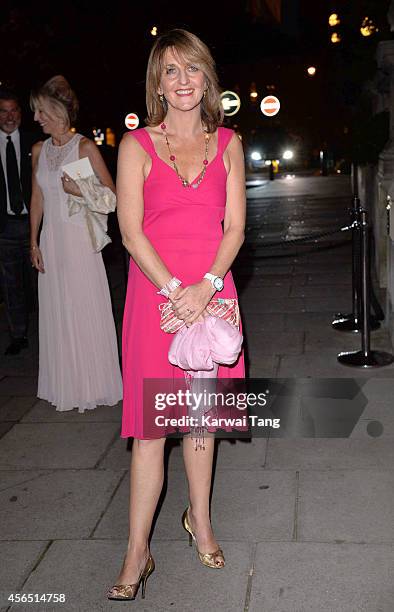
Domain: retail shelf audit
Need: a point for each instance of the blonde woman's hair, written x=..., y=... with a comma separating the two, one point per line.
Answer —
x=192, y=49
x=61, y=98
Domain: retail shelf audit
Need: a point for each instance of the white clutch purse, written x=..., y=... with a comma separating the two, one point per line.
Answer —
x=81, y=168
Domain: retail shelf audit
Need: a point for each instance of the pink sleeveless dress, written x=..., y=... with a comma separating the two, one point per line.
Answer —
x=184, y=225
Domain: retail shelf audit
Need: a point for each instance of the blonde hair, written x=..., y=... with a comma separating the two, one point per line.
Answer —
x=61, y=97
x=190, y=47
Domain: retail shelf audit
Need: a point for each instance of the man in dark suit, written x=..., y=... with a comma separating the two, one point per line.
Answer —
x=15, y=192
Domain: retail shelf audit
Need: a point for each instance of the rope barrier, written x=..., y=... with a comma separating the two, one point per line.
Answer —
x=308, y=238
x=365, y=358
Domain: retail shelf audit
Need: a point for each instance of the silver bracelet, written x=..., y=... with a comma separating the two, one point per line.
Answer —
x=169, y=287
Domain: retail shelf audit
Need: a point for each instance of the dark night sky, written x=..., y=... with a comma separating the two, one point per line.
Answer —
x=103, y=50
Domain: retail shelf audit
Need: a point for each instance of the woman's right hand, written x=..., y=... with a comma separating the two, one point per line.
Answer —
x=173, y=296
x=36, y=259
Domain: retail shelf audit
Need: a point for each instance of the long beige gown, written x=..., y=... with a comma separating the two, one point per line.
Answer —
x=78, y=355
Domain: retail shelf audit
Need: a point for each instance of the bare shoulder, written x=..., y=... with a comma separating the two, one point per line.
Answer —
x=130, y=146
x=235, y=145
x=36, y=148
x=86, y=145
x=88, y=148
x=233, y=156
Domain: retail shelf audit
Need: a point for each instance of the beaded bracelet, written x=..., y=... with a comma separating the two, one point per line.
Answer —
x=169, y=287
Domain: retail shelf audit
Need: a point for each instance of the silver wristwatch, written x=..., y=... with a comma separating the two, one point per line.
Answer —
x=216, y=282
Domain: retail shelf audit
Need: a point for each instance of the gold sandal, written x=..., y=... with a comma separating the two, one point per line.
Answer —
x=208, y=559
x=128, y=592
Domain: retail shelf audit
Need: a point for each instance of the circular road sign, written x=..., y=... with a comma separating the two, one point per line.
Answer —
x=231, y=102
x=270, y=106
x=131, y=121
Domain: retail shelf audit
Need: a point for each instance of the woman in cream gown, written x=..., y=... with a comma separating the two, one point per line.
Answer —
x=78, y=354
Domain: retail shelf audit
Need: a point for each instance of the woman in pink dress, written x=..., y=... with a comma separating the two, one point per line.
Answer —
x=178, y=180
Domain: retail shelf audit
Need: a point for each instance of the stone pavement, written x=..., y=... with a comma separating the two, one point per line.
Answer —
x=306, y=523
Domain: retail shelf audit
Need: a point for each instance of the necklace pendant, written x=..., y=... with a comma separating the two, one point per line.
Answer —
x=185, y=182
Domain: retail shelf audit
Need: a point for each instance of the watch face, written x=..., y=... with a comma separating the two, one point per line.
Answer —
x=218, y=284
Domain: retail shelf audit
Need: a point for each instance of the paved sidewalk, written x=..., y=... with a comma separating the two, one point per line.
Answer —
x=306, y=523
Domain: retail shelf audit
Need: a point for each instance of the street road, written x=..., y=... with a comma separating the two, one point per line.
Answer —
x=291, y=208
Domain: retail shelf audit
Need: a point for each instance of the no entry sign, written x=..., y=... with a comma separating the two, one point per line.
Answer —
x=231, y=102
x=131, y=121
x=270, y=106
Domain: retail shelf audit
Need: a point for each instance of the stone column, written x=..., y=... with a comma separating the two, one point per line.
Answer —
x=385, y=59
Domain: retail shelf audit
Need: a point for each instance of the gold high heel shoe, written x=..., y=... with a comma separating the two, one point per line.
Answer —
x=208, y=559
x=128, y=592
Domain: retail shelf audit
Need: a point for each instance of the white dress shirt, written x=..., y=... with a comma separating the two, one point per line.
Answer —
x=3, y=147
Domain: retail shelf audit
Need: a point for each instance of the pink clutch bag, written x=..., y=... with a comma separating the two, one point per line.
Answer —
x=222, y=308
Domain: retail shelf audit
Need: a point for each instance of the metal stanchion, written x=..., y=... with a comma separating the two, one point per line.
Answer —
x=352, y=322
x=365, y=358
x=354, y=179
x=324, y=162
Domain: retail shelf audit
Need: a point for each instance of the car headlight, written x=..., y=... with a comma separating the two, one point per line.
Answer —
x=288, y=154
x=256, y=155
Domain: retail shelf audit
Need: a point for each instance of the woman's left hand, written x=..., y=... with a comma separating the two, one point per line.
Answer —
x=191, y=301
x=70, y=186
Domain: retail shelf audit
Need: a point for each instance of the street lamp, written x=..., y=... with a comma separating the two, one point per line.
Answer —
x=154, y=31
x=98, y=136
x=335, y=37
x=311, y=70
x=368, y=27
x=110, y=137
x=333, y=20
x=253, y=93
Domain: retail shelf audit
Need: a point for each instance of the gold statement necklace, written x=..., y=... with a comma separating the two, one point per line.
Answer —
x=184, y=181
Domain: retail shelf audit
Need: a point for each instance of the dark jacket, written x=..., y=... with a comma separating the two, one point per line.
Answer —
x=26, y=142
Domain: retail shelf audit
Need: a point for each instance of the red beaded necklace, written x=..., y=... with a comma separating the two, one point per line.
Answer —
x=184, y=181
